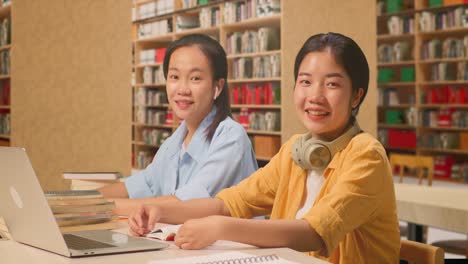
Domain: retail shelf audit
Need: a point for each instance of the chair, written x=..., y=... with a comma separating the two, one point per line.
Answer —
x=415, y=252
x=413, y=162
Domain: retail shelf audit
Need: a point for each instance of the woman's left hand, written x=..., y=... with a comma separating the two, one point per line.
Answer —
x=199, y=233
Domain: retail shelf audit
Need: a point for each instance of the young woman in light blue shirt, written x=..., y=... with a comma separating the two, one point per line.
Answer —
x=208, y=151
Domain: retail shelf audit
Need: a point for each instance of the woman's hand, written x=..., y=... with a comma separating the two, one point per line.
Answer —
x=199, y=233
x=143, y=219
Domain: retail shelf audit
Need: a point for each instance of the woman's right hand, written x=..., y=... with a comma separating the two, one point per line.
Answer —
x=142, y=220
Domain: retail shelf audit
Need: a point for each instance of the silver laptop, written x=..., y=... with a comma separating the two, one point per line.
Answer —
x=30, y=220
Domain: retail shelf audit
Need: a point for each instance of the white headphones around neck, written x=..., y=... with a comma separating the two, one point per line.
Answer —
x=311, y=153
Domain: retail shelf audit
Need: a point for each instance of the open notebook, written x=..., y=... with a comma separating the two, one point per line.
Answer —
x=226, y=258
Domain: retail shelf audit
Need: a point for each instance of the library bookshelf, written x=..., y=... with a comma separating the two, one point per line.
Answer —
x=221, y=27
x=5, y=47
x=423, y=82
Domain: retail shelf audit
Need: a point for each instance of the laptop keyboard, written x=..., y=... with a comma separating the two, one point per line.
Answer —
x=81, y=243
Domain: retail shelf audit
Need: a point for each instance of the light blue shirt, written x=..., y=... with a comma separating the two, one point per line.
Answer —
x=203, y=170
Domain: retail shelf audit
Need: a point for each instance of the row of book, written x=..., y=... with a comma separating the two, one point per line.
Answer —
x=155, y=8
x=5, y=31
x=193, y=3
x=238, y=11
x=397, y=138
x=5, y=92
x=268, y=93
x=445, y=95
x=266, y=8
x=186, y=23
x=5, y=62
x=445, y=140
x=447, y=117
x=397, y=116
x=4, y=122
x=392, y=6
x=457, y=17
x=143, y=158
x=209, y=17
x=445, y=71
x=400, y=25
x=150, y=97
x=398, y=51
x=155, y=137
x=391, y=97
x=151, y=116
x=153, y=75
x=447, y=48
x=405, y=74
x=156, y=28
x=255, y=119
x=256, y=67
x=152, y=55
x=249, y=41
x=448, y=167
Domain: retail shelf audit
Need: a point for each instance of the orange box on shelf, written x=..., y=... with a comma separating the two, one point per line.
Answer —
x=464, y=140
x=266, y=146
x=454, y=2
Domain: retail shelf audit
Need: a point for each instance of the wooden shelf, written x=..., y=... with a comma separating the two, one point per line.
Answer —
x=143, y=144
x=154, y=126
x=400, y=13
x=432, y=83
x=273, y=106
x=395, y=64
x=207, y=31
x=154, y=85
x=272, y=79
x=401, y=149
x=159, y=38
x=445, y=151
x=428, y=61
x=5, y=47
x=396, y=84
x=260, y=132
x=3, y=136
x=443, y=106
x=255, y=54
x=396, y=126
x=142, y=65
x=454, y=129
x=4, y=107
x=388, y=37
x=5, y=11
x=396, y=106
x=257, y=22
x=153, y=106
x=444, y=32
x=4, y=77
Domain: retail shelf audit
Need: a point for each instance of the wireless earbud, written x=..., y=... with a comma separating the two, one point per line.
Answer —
x=216, y=93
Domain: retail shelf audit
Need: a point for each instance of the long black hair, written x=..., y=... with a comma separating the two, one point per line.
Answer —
x=346, y=52
x=218, y=62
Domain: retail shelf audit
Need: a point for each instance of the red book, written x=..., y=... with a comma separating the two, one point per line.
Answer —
x=160, y=55
x=258, y=95
x=235, y=95
x=268, y=93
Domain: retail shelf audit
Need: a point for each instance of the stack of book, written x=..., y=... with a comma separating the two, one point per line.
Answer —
x=91, y=180
x=81, y=210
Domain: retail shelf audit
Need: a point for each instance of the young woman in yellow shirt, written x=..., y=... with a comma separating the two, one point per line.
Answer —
x=329, y=192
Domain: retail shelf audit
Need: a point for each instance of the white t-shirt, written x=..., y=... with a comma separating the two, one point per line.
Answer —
x=314, y=183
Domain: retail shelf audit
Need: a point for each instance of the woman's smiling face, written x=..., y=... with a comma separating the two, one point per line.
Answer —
x=323, y=95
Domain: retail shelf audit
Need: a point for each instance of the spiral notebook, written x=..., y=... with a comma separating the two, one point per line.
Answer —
x=232, y=257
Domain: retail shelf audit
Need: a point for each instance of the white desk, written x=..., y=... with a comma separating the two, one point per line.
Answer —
x=440, y=207
x=15, y=253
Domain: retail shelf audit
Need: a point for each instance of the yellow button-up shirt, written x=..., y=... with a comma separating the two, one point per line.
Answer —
x=354, y=213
